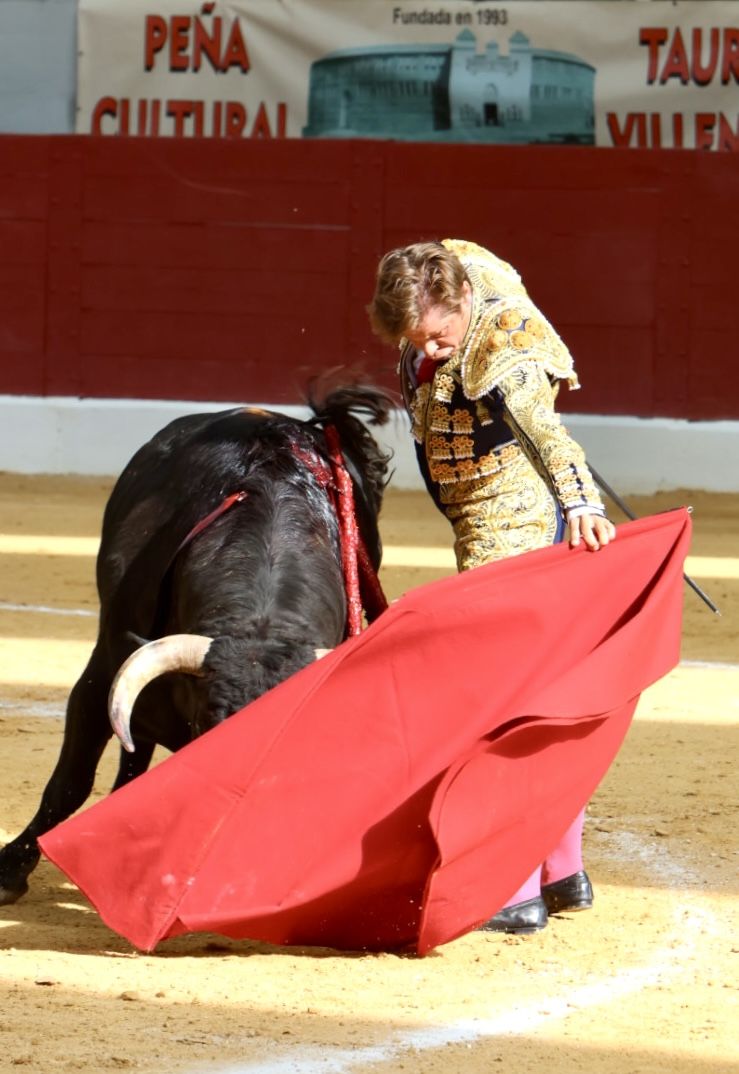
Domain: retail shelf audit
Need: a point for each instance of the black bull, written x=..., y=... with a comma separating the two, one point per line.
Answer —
x=261, y=585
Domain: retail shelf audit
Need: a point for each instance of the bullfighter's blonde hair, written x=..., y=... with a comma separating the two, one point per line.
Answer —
x=410, y=280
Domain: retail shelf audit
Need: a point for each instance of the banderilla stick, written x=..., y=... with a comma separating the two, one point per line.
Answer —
x=630, y=514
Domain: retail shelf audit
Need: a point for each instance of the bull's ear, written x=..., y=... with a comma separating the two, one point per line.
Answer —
x=321, y=652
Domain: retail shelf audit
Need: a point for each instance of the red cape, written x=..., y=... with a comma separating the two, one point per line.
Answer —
x=397, y=792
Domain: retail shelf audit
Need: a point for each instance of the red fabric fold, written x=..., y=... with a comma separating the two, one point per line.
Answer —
x=397, y=792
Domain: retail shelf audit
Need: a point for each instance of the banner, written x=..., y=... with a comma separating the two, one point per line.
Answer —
x=583, y=72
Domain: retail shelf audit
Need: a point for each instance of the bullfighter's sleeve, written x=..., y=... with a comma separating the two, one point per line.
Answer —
x=529, y=396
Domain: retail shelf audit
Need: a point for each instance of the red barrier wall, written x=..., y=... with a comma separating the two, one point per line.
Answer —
x=229, y=270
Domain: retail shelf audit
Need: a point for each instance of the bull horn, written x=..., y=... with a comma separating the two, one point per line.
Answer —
x=322, y=652
x=175, y=652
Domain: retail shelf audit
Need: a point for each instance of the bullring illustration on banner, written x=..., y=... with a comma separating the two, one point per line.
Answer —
x=568, y=72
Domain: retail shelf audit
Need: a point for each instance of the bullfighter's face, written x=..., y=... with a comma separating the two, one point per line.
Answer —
x=441, y=331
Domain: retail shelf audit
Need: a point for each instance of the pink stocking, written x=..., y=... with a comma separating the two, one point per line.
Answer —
x=528, y=890
x=566, y=858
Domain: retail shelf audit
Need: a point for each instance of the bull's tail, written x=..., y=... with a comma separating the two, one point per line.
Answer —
x=345, y=407
x=366, y=400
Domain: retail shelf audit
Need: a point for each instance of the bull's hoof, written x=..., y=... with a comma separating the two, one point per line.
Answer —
x=10, y=895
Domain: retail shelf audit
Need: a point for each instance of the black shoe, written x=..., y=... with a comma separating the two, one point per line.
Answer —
x=572, y=893
x=521, y=918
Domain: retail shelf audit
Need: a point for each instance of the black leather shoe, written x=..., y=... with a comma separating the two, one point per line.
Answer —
x=521, y=918
x=572, y=893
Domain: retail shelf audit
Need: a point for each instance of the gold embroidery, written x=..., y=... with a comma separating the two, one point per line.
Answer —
x=463, y=447
x=442, y=472
x=529, y=399
x=535, y=328
x=483, y=414
x=501, y=307
x=483, y=365
x=462, y=421
x=491, y=277
x=440, y=418
x=505, y=501
x=521, y=340
x=443, y=387
x=418, y=407
x=500, y=517
x=439, y=447
x=510, y=319
x=466, y=468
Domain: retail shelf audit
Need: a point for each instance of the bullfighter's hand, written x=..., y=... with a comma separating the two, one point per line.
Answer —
x=595, y=530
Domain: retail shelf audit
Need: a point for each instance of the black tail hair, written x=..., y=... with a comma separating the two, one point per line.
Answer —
x=343, y=407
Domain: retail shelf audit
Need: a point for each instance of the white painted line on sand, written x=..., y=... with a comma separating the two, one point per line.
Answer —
x=710, y=665
x=43, y=609
x=666, y=960
x=32, y=708
x=6, y=606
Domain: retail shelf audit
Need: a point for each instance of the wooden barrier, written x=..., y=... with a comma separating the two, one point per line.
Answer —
x=222, y=270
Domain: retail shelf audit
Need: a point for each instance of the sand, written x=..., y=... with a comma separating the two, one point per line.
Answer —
x=644, y=982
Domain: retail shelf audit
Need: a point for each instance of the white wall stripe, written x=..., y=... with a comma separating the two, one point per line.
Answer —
x=67, y=435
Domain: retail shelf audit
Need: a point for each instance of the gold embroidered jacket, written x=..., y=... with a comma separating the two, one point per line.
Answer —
x=487, y=417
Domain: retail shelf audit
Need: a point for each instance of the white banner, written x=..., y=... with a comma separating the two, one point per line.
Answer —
x=591, y=72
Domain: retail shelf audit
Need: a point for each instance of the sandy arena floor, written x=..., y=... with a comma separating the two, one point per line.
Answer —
x=645, y=983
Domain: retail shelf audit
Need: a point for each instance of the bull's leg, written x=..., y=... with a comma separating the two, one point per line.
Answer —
x=133, y=764
x=156, y=720
x=86, y=733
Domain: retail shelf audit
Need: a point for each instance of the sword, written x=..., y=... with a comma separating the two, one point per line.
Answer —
x=630, y=514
